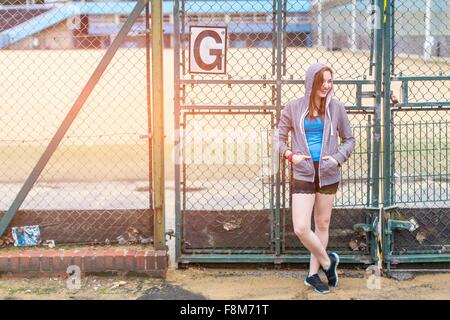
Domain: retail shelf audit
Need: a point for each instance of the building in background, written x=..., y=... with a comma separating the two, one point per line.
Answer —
x=333, y=24
x=94, y=24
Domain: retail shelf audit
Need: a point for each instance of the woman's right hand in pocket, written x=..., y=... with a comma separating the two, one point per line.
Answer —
x=297, y=158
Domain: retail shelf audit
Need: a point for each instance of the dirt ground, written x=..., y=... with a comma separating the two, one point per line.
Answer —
x=229, y=284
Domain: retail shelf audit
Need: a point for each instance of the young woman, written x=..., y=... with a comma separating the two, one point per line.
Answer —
x=316, y=121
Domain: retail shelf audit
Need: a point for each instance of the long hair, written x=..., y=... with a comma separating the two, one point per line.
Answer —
x=317, y=84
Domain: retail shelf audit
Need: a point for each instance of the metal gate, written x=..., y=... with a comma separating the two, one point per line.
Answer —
x=231, y=205
x=416, y=154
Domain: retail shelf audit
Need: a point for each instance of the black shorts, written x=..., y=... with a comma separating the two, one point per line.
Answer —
x=300, y=186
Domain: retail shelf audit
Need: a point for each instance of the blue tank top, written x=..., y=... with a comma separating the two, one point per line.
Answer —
x=314, y=135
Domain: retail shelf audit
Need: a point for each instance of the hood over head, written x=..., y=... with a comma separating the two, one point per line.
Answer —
x=309, y=81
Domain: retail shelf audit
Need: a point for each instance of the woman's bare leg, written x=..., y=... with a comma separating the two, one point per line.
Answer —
x=322, y=216
x=302, y=205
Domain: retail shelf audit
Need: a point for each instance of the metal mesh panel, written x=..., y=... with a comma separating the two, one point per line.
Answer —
x=421, y=37
x=224, y=95
x=95, y=186
x=430, y=237
x=218, y=147
x=342, y=234
x=419, y=130
x=341, y=32
x=226, y=166
x=420, y=182
x=217, y=197
x=421, y=152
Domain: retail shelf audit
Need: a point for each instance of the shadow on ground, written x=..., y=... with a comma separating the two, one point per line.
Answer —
x=168, y=291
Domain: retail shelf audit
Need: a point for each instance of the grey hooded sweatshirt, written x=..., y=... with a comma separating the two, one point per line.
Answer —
x=335, y=123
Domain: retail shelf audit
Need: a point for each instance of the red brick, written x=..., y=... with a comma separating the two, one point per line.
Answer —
x=45, y=263
x=59, y=262
x=130, y=259
x=4, y=263
x=161, y=260
x=139, y=261
x=33, y=254
x=109, y=259
x=89, y=261
x=35, y=261
x=150, y=260
x=77, y=259
x=68, y=254
x=119, y=263
x=88, y=253
x=99, y=261
x=47, y=260
x=72, y=258
x=53, y=265
x=49, y=254
x=109, y=262
x=24, y=262
x=109, y=252
x=87, y=257
x=120, y=252
x=119, y=259
x=4, y=254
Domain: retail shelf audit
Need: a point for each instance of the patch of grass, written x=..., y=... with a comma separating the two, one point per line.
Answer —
x=13, y=291
x=45, y=291
x=104, y=291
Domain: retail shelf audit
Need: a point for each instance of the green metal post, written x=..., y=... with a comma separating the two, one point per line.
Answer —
x=177, y=137
x=375, y=169
x=274, y=36
x=158, y=124
x=149, y=102
x=372, y=42
x=377, y=115
x=387, y=123
x=405, y=90
x=392, y=31
x=369, y=165
x=278, y=112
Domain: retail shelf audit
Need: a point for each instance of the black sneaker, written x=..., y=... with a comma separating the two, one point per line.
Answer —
x=331, y=273
x=315, y=282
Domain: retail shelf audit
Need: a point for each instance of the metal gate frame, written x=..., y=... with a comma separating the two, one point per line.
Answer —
x=373, y=212
x=379, y=227
x=392, y=225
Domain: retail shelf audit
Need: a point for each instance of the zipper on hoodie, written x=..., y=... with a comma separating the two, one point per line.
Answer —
x=321, y=148
x=302, y=127
x=323, y=137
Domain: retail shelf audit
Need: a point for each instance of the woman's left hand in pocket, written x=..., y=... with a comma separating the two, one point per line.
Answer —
x=332, y=159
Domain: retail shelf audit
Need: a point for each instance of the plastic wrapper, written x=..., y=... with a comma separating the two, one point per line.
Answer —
x=26, y=236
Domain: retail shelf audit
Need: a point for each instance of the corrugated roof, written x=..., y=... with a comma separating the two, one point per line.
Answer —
x=55, y=13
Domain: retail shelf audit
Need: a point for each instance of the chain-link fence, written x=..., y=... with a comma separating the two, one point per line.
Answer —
x=234, y=204
x=225, y=197
x=95, y=187
x=233, y=199
x=417, y=226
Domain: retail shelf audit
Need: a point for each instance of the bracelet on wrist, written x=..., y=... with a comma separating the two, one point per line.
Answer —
x=290, y=157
